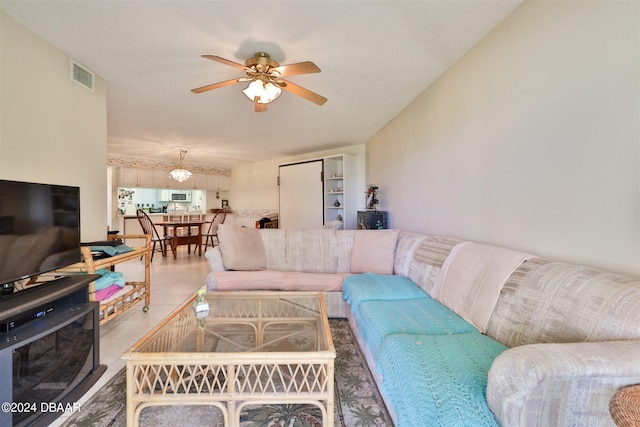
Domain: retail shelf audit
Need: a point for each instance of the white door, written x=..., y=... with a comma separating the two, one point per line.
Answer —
x=301, y=196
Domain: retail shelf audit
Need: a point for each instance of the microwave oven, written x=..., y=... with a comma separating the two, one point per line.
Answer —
x=180, y=196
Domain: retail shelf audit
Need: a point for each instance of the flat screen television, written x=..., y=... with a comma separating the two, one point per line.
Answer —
x=39, y=232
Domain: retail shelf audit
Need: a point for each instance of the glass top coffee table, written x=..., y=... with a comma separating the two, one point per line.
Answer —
x=250, y=348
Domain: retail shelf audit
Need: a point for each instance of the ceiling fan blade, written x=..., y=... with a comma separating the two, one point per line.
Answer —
x=304, y=93
x=226, y=62
x=307, y=67
x=215, y=86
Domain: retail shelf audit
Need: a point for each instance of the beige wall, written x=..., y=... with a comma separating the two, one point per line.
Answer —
x=530, y=141
x=52, y=130
x=254, y=185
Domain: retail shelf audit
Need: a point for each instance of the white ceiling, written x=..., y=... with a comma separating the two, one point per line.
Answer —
x=375, y=56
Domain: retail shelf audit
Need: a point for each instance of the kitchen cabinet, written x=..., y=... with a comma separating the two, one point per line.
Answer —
x=223, y=182
x=145, y=178
x=217, y=183
x=197, y=182
x=160, y=179
x=128, y=177
x=132, y=177
x=155, y=178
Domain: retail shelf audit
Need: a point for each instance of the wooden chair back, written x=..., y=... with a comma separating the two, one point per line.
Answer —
x=148, y=227
x=218, y=219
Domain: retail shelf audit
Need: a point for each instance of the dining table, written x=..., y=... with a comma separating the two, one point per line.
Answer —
x=171, y=229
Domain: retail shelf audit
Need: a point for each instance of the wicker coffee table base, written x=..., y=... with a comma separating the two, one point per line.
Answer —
x=231, y=386
x=171, y=366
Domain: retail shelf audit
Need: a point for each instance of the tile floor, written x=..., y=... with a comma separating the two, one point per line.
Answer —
x=172, y=282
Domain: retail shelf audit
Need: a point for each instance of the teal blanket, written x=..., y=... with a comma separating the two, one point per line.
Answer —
x=369, y=287
x=439, y=380
x=377, y=319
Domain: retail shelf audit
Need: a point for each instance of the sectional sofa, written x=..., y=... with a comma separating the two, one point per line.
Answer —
x=457, y=333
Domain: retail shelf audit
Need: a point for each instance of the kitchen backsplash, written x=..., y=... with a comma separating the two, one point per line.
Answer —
x=131, y=199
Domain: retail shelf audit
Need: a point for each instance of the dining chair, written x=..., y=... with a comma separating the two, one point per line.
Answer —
x=148, y=227
x=212, y=232
x=196, y=229
x=175, y=218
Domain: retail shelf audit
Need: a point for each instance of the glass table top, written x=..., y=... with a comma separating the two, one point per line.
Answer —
x=243, y=322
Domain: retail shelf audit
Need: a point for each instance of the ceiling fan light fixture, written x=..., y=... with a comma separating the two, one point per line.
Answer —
x=180, y=174
x=265, y=92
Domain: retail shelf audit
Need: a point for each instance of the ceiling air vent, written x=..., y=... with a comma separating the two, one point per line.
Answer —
x=81, y=75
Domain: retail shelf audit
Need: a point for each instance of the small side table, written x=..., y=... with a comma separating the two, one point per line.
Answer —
x=372, y=220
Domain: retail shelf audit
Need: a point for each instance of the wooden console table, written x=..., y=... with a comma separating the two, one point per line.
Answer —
x=122, y=301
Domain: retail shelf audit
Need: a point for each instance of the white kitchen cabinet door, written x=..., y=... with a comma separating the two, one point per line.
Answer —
x=145, y=178
x=128, y=177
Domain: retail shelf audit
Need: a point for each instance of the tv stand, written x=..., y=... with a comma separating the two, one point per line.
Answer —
x=48, y=278
x=61, y=347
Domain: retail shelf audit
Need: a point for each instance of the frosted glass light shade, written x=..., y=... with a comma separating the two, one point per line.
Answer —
x=267, y=92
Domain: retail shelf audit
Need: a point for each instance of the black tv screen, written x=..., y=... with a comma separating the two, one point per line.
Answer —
x=39, y=230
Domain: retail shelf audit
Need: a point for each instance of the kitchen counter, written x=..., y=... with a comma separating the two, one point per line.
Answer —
x=156, y=215
x=131, y=225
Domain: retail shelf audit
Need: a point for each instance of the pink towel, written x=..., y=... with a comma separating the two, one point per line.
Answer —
x=107, y=292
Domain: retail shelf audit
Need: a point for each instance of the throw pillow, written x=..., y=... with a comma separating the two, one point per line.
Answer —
x=374, y=251
x=241, y=248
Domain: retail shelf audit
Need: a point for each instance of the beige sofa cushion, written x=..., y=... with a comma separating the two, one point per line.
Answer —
x=374, y=251
x=242, y=248
x=344, y=239
x=427, y=260
x=547, y=301
x=274, y=247
x=472, y=278
x=408, y=243
x=311, y=251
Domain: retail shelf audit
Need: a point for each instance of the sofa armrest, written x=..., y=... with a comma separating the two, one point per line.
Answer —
x=560, y=384
x=214, y=256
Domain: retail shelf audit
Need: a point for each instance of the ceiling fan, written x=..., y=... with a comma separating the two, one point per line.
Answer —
x=265, y=79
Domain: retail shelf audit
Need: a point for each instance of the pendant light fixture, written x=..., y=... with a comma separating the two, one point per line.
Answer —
x=180, y=174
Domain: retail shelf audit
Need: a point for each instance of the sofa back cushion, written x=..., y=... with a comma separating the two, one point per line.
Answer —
x=546, y=301
x=274, y=240
x=408, y=242
x=344, y=240
x=374, y=251
x=241, y=248
x=473, y=276
x=311, y=251
x=428, y=258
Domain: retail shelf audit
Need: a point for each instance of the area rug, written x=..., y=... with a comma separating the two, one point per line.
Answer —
x=357, y=401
